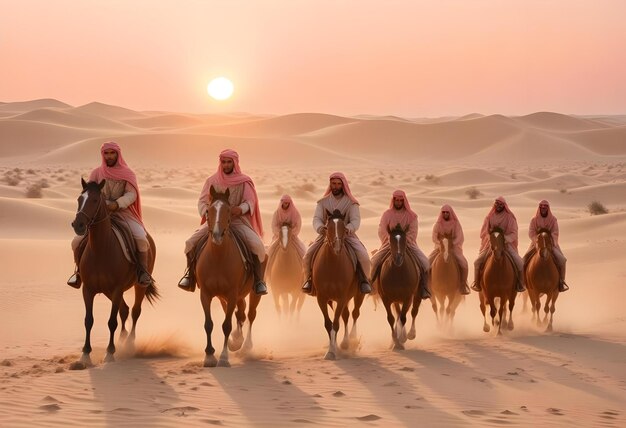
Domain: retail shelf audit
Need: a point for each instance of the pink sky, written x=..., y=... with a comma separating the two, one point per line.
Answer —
x=409, y=58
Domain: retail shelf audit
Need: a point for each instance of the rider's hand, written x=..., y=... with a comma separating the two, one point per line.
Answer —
x=112, y=205
x=235, y=211
x=322, y=230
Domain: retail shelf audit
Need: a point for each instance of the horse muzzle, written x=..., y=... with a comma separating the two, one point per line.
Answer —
x=79, y=227
x=217, y=238
x=398, y=260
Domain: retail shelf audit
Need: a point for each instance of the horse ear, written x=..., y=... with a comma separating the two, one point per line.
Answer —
x=388, y=230
x=212, y=192
x=406, y=228
x=328, y=214
x=101, y=184
x=227, y=193
x=83, y=182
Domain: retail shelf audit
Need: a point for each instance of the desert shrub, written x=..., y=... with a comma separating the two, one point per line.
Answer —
x=34, y=191
x=473, y=193
x=596, y=208
x=431, y=178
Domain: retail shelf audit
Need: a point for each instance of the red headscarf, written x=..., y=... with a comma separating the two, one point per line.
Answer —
x=549, y=222
x=508, y=223
x=452, y=226
x=233, y=179
x=346, y=187
x=392, y=217
x=290, y=215
x=119, y=171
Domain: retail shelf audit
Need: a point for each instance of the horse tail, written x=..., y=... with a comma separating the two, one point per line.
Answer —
x=152, y=293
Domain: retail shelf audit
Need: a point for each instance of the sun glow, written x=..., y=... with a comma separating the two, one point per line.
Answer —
x=220, y=88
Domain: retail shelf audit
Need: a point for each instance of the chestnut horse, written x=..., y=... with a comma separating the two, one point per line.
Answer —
x=398, y=284
x=335, y=279
x=542, y=277
x=221, y=272
x=498, y=281
x=104, y=268
x=445, y=277
x=284, y=270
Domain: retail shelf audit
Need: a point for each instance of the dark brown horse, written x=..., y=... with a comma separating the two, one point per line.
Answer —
x=335, y=279
x=445, y=281
x=285, y=273
x=542, y=277
x=397, y=285
x=221, y=272
x=498, y=281
x=104, y=268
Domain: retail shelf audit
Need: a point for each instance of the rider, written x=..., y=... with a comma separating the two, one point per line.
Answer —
x=502, y=218
x=544, y=219
x=338, y=197
x=246, y=218
x=448, y=224
x=400, y=213
x=121, y=192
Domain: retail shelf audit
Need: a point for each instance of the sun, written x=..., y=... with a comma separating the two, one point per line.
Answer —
x=220, y=88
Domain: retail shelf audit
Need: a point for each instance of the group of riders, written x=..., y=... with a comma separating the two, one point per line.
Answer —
x=122, y=196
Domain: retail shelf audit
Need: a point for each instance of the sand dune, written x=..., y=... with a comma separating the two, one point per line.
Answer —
x=448, y=376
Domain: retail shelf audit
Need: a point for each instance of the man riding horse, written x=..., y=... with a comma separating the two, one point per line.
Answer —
x=121, y=192
x=246, y=222
x=339, y=197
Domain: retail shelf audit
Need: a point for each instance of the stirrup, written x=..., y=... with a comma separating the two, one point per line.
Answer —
x=476, y=287
x=74, y=280
x=145, y=280
x=563, y=286
x=465, y=290
x=306, y=287
x=260, y=288
x=187, y=284
x=365, y=287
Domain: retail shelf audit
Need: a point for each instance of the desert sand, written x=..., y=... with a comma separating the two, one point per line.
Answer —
x=447, y=376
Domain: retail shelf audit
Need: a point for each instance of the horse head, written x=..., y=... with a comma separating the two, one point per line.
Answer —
x=335, y=230
x=544, y=243
x=285, y=235
x=91, y=206
x=444, y=246
x=218, y=215
x=397, y=243
x=496, y=238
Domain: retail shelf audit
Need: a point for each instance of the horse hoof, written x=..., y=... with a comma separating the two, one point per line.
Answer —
x=499, y=333
x=86, y=360
x=345, y=345
x=210, y=361
x=223, y=363
x=486, y=328
x=549, y=328
x=109, y=358
x=510, y=326
x=398, y=347
x=411, y=335
x=330, y=356
x=235, y=344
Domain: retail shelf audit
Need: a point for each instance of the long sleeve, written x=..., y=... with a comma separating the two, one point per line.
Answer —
x=128, y=198
x=459, y=238
x=203, y=201
x=275, y=225
x=249, y=198
x=411, y=234
x=355, y=218
x=555, y=233
x=297, y=224
x=435, y=235
x=383, y=233
x=318, y=217
x=510, y=235
x=532, y=230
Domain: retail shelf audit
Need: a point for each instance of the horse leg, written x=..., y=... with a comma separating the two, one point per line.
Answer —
x=140, y=292
x=328, y=325
x=356, y=313
x=255, y=299
x=88, y=298
x=116, y=298
x=236, y=339
x=492, y=310
x=510, y=324
x=345, y=316
x=554, y=296
x=124, y=310
x=402, y=336
x=417, y=301
x=546, y=309
x=276, y=298
x=395, y=344
x=227, y=327
x=500, y=312
x=341, y=306
x=209, y=351
x=300, y=302
x=483, y=309
x=433, y=303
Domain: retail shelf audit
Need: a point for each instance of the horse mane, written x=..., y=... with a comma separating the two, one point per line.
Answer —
x=217, y=196
x=335, y=214
x=397, y=230
x=92, y=185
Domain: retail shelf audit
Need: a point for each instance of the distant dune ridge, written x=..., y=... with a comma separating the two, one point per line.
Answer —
x=456, y=376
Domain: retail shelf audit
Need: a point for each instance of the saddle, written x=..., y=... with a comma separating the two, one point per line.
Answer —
x=510, y=259
x=531, y=253
x=386, y=253
x=244, y=252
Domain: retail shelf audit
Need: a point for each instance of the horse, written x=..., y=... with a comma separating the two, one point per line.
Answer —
x=445, y=281
x=335, y=279
x=104, y=269
x=498, y=281
x=222, y=273
x=285, y=273
x=542, y=277
x=397, y=284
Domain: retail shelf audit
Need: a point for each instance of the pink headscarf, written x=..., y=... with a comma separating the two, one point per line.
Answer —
x=549, y=222
x=392, y=217
x=119, y=171
x=290, y=215
x=506, y=221
x=233, y=179
x=450, y=227
x=346, y=187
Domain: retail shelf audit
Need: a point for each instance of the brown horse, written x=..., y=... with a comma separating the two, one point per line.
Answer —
x=498, y=281
x=104, y=268
x=221, y=272
x=445, y=281
x=397, y=284
x=335, y=279
x=542, y=277
x=285, y=273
